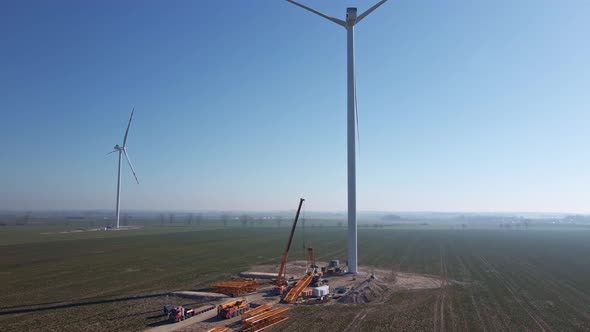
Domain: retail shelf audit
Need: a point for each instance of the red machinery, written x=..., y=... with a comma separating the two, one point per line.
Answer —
x=178, y=313
x=281, y=283
x=232, y=309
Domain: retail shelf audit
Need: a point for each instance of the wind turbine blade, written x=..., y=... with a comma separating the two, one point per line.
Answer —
x=363, y=15
x=128, y=125
x=111, y=152
x=131, y=166
x=335, y=20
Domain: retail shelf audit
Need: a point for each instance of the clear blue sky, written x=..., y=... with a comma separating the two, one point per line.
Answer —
x=463, y=105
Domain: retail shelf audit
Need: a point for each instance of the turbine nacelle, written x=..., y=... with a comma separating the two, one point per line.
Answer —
x=350, y=16
x=118, y=148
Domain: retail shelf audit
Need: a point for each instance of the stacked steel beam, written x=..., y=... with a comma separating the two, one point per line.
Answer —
x=264, y=320
x=236, y=287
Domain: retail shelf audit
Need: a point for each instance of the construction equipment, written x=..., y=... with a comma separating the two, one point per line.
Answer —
x=317, y=280
x=310, y=260
x=236, y=287
x=313, y=268
x=264, y=320
x=333, y=268
x=176, y=314
x=279, y=290
x=167, y=309
x=294, y=292
x=179, y=313
x=281, y=283
x=232, y=308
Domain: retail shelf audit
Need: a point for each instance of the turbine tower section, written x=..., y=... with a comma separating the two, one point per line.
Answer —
x=351, y=141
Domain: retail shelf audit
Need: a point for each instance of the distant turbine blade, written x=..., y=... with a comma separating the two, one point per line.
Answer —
x=363, y=15
x=131, y=166
x=128, y=125
x=111, y=152
x=335, y=20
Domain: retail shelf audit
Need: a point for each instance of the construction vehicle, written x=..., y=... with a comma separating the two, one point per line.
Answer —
x=167, y=309
x=179, y=313
x=281, y=282
x=232, y=308
x=333, y=268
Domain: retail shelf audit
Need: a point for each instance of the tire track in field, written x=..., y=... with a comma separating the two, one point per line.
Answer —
x=356, y=321
x=452, y=315
x=524, y=304
x=441, y=298
x=476, y=306
x=493, y=312
x=435, y=322
x=555, y=288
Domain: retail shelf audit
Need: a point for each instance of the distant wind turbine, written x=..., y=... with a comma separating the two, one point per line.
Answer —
x=351, y=20
x=123, y=150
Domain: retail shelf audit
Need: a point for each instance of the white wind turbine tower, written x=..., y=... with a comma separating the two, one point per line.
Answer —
x=123, y=151
x=351, y=20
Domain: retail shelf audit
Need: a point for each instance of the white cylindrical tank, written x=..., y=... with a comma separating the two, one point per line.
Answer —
x=320, y=291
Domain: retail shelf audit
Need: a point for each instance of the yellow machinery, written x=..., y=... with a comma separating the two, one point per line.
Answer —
x=232, y=308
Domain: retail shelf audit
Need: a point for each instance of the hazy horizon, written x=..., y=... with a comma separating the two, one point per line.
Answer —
x=309, y=213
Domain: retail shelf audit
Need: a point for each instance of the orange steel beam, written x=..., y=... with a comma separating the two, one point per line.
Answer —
x=265, y=315
x=264, y=320
x=257, y=310
x=219, y=329
x=264, y=326
x=275, y=322
x=237, y=287
x=236, y=283
x=299, y=287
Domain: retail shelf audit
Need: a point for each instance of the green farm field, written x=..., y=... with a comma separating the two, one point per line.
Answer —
x=496, y=280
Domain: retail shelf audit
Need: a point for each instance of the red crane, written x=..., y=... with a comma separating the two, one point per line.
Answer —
x=280, y=282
